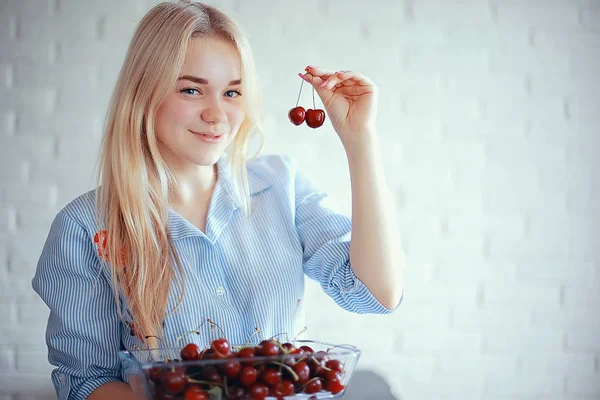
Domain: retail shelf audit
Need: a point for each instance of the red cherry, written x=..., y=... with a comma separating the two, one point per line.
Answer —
x=248, y=376
x=232, y=368
x=288, y=347
x=334, y=382
x=335, y=365
x=174, y=380
x=221, y=347
x=313, y=386
x=303, y=371
x=271, y=376
x=269, y=349
x=307, y=349
x=195, y=392
x=284, y=388
x=258, y=392
x=297, y=115
x=246, y=352
x=156, y=374
x=315, y=118
x=235, y=393
x=190, y=352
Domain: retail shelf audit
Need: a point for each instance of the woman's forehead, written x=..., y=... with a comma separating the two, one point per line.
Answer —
x=212, y=59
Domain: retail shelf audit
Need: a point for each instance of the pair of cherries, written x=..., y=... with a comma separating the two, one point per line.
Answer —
x=313, y=117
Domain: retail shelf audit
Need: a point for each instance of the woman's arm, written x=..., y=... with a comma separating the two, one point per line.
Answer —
x=114, y=391
x=376, y=253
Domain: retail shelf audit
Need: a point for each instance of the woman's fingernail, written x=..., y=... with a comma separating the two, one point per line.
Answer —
x=304, y=77
x=324, y=83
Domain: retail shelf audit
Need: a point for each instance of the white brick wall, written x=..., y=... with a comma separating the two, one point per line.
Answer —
x=489, y=118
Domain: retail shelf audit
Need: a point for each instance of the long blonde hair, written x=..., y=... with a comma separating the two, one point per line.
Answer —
x=134, y=182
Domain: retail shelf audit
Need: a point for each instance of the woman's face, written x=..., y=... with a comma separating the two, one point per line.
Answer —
x=202, y=115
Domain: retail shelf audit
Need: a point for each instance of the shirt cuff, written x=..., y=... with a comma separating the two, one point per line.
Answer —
x=354, y=291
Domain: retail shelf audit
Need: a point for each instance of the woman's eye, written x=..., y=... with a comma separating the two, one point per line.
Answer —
x=189, y=91
x=232, y=93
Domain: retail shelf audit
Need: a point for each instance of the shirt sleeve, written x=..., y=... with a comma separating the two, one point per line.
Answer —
x=83, y=327
x=325, y=236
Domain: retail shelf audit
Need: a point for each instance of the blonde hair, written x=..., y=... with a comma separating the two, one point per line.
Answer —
x=134, y=182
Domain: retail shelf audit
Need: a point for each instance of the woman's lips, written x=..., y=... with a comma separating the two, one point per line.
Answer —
x=209, y=137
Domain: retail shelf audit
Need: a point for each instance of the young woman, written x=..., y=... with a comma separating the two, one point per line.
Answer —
x=182, y=229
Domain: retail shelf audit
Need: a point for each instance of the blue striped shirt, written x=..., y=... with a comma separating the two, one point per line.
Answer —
x=242, y=273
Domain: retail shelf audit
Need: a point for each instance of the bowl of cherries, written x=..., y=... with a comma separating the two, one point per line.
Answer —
x=271, y=370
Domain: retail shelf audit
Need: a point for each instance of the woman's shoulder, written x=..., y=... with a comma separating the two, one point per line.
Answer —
x=273, y=167
x=82, y=210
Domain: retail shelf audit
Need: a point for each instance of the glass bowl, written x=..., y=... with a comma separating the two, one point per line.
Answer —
x=147, y=370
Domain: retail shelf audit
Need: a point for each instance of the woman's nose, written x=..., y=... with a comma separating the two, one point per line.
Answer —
x=214, y=113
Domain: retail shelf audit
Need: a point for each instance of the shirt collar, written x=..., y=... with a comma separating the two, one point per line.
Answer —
x=223, y=203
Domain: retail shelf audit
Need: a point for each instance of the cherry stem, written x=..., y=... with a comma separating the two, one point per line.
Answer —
x=298, y=101
x=313, y=81
x=309, y=381
x=288, y=368
x=203, y=382
x=279, y=334
x=213, y=324
x=300, y=333
x=256, y=330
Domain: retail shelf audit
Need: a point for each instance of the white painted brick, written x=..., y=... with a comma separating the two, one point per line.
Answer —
x=583, y=339
x=7, y=220
x=44, y=99
x=83, y=76
x=60, y=174
x=8, y=24
x=556, y=364
x=590, y=18
x=8, y=312
x=444, y=248
x=17, y=289
x=7, y=360
x=542, y=16
x=488, y=318
x=522, y=108
x=475, y=364
x=409, y=366
x=38, y=385
x=32, y=51
x=533, y=341
x=584, y=383
x=475, y=269
x=439, y=341
x=66, y=123
x=31, y=147
x=523, y=153
x=583, y=294
x=28, y=362
x=14, y=169
x=562, y=317
x=14, y=336
x=7, y=123
x=29, y=314
x=6, y=78
x=28, y=220
x=551, y=271
x=534, y=61
x=525, y=384
x=452, y=13
x=73, y=9
x=432, y=59
x=59, y=27
x=38, y=195
x=522, y=294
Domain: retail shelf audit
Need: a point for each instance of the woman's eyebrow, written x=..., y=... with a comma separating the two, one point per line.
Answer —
x=202, y=81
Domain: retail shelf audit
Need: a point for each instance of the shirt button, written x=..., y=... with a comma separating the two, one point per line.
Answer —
x=62, y=377
x=220, y=291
